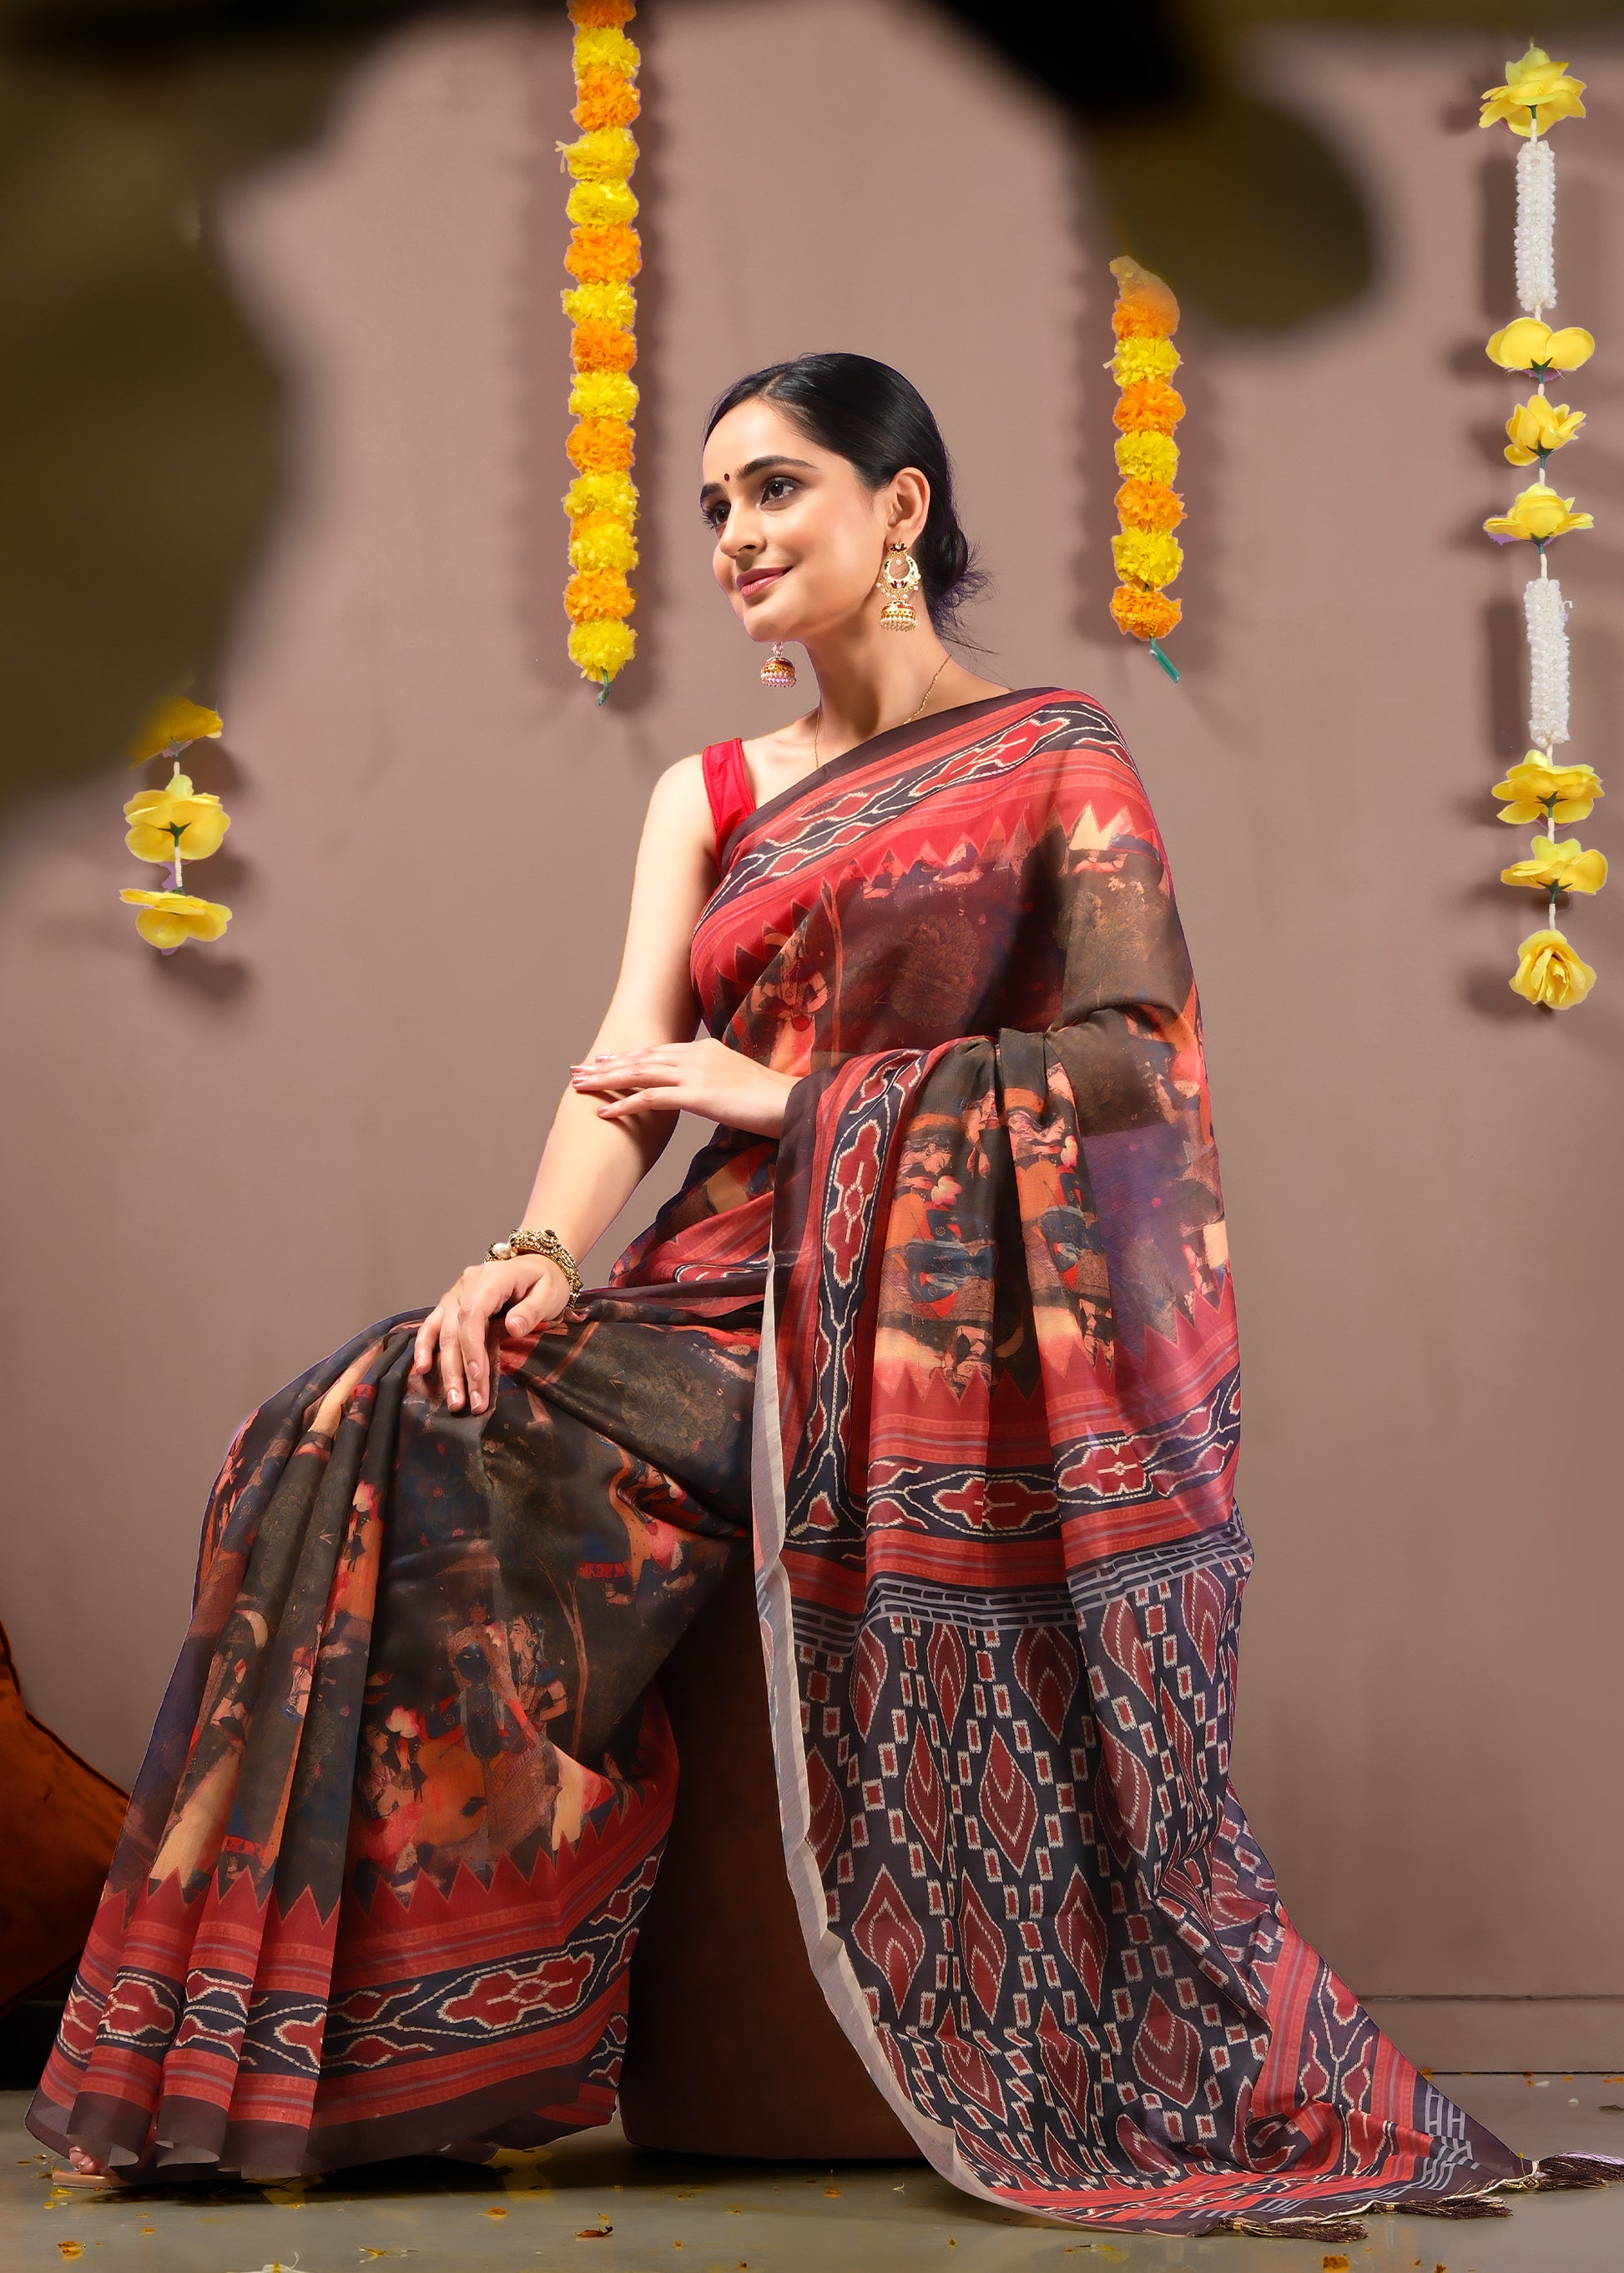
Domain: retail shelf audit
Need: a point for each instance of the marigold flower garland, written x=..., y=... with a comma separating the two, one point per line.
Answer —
x=173, y=825
x=604, y=256
x=1537, y=94
x=1147, y=554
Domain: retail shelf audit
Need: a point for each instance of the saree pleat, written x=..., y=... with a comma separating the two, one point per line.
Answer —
x=959, y=1352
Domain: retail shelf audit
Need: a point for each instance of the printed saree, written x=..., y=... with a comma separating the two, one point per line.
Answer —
x=959, y=1351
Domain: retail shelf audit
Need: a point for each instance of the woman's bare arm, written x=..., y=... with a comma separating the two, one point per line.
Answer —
x=591, y=1165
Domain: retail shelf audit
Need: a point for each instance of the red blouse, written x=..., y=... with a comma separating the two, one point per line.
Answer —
x=728, y=787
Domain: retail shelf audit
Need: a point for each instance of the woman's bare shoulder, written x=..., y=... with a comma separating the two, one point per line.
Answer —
x=679, y=803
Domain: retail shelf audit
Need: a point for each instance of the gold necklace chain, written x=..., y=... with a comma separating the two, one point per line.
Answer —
x=918, y=712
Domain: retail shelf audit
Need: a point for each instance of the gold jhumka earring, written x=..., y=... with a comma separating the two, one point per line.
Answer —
x=899, y=576
x=777, y=671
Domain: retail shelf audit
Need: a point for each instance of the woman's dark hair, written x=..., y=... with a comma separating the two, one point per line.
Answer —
x=869, y=415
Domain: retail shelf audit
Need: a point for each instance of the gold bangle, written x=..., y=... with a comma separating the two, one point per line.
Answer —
x=547, y=1243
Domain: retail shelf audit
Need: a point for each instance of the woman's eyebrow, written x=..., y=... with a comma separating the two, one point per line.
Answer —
x=756, y=466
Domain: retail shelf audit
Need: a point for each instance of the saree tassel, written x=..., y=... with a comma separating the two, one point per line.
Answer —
x=1567, y=2173
x=1295, y=2229
x=1456, y=2206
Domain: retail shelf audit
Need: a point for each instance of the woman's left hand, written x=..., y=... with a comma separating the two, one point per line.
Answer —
x=705, y=1077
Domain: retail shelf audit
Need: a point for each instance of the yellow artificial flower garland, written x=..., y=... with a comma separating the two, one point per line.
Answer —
x=1147, y=554
x=604, y=256
x=172, y=825
x=1536, y=95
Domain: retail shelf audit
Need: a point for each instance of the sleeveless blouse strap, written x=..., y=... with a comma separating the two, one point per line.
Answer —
x=727, y=786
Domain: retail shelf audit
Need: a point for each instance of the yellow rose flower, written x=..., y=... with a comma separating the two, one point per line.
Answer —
x=1539, y=791
x=1537, y=426
x=1537, y=514
x=1549, y=972
x=1558, y=865
x=1528, y=345
x=1536, y=92
x=170, y=725
x=155, y=814
x=168, y=919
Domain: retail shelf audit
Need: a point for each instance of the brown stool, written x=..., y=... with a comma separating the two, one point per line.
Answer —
x=731, y=2048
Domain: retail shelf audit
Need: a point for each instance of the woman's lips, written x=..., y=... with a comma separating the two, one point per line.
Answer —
x=757, y=580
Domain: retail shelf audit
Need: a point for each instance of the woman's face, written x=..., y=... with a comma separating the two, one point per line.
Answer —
x=798, y=539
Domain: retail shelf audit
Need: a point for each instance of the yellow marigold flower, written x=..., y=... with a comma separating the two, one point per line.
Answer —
x=1527, y=344
x=1537, y=425
x=1147, y=456
x=1146, y=557
x=168, y=918
x=1539, y=791
x=595, y=594
x=601, y=493
x=170, y=725
x=1549, y=972
x=1154, y=357
x=1142, y=297
x=598, y=650
x=603, y=394
x=1149, y=505
x=155, y=814
x=604, y=256
x=1149, y=402
x=602, y=205
x=614, y=304
x=585, y=14
x=605, y=49
x=607, y=154
x=1538, y=514
x=1558, y=865
x=604, y=98
x=600, y=446
x=1536, y=92
x=600, y=541
x=1147, y=615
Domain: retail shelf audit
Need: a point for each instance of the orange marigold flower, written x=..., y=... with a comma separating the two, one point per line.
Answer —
x=1131, y=321
x=1149, y=505
x=600, y=446
x=1149, y=402
x=602, y=347
x=601, y=15
x=1148, y=615
x=597, y=594
x=604, y=98
x=605, y=256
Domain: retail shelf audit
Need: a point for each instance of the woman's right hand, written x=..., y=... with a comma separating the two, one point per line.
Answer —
x=463, y=1329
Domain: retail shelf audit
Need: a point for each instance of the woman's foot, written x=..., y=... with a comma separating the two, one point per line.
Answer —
x=84, y=2171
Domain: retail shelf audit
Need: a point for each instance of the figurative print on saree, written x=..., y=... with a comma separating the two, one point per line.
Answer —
x=960, y=1348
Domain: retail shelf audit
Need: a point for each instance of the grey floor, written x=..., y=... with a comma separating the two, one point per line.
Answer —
x=594, y=2202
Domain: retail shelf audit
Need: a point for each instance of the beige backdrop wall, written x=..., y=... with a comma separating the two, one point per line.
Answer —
x=213, y=1168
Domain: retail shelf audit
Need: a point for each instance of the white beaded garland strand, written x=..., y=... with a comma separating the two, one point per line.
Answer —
x=1536, y=226
x=1546, y=613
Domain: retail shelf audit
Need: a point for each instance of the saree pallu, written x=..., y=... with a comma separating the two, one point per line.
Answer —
x=959, y=1351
